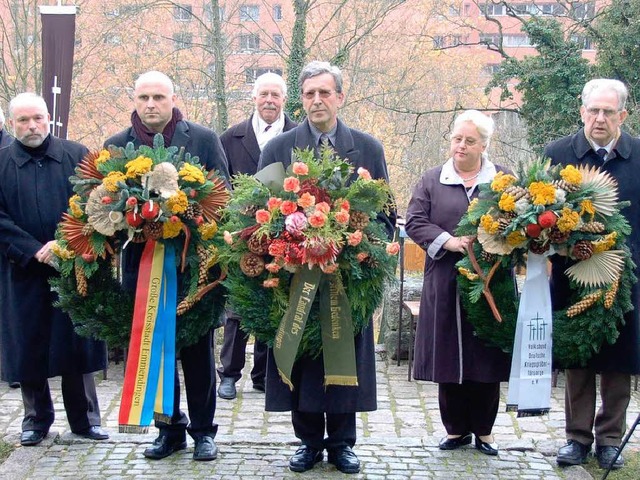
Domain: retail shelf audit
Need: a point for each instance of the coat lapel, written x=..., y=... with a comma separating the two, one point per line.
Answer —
x=249, y=141
x=181, y=136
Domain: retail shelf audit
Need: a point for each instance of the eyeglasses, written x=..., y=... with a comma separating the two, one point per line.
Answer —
x=470, y=142
x=311, y=94
x=607, y=112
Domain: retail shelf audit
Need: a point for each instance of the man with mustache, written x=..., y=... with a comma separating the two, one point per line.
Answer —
x=242, y=144
x=37, y=340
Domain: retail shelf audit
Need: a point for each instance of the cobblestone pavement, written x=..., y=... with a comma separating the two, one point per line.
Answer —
x=398, y=441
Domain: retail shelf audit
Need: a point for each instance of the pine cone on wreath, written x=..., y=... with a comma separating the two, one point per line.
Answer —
x=610, y=294
x=539, y=247
x=194, y=210
x=582, y=250
x=203, y=264
x=503, y=223
x=185, y=305
x=152, y=230
x=358, y=220
x=567, y=187
x=556, y=236
x=258, y=244
x=488, y=257
x=81, y=280
x=592, y=227
x=88, y=229
x=587, y=302
x=517, y=192
x=251, y=264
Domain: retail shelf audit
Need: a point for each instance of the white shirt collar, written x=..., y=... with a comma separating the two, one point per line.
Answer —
x=259, y=126
x=449, y=176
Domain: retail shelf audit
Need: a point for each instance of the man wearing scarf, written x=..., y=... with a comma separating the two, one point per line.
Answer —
x=155, y=112
x=243, y=143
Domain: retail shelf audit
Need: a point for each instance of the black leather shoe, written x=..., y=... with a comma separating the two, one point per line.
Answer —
x=304, y=459
x=258, y=386
x=94, y=432
x=28, y=438
x=486, y=447
x=205, y=449
x=605, y=454
x=573, y=453
x=452, y=443
x=227, y=388
x=344, y=459
x=14, y=385
x=164, y=445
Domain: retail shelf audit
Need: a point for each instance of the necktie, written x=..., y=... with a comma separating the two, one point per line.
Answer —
x=602, y=153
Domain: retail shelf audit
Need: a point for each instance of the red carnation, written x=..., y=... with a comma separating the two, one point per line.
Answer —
x=547, y=219
x=534, y=230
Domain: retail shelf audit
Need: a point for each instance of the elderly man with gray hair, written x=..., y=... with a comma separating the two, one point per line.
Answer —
x=601, y=143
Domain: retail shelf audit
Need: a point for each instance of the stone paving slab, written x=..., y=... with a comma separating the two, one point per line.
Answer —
x=398, y=441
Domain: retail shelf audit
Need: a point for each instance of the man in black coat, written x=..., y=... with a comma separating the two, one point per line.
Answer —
x=155, y=112
x=314, y=406
x=37, y=340
x=5, y=137
x=242, y=144
x=603, y=144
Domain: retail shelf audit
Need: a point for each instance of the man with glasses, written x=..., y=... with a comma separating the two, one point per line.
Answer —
x=313, y=406
x=603, y=144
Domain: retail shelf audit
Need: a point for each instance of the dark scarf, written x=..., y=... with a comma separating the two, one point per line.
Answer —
x=146, y=136
x=36, y=153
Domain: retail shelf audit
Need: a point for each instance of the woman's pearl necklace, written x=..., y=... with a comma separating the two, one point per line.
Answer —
x=473, y=177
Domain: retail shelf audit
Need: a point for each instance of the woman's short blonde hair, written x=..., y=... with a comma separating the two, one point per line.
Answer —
x=482, y=122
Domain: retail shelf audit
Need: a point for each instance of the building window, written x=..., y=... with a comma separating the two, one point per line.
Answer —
x=489, y=39
x=492, y=68
x=182, y=12
x=112, y=39
x=249, y=13
x=249, y=42
x=182, y=40
x=277, y=12
x=584, y=43
x=251, y=74
x=278, y=41
x=516, y=41
x=491, y=10
x=208, y=12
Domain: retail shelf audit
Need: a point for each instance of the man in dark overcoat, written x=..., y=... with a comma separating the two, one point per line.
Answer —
x=37, y=340
x=602, y=143
x=314, y=406
x=155, y=112
x=242, y=144
x=5, y=137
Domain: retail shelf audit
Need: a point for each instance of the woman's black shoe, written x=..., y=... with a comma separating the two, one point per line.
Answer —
x=452, y=443
x=486, y=447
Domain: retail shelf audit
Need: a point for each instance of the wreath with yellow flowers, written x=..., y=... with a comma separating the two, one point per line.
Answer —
x=128, y=196
x=575, y=211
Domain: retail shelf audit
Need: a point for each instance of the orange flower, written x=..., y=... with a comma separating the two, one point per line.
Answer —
x=342, y=217
x=329, y=269
x=364, y=173
x=323, y=207
x=228, y=239
x=342, y=204
x=306, y=200
x=300, y=168
x=393, y=248
x=272, y=267
x=362, y=256
x=317, y=219
x=291, y=184
x=263, y=216
x=271, y=282
x=274, y=203
x=354, y=238
x=288, y=207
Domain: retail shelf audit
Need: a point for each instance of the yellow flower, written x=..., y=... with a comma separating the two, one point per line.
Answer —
x=74, y=206
x=111, y=180
x=605, y=243
x=178, y=202
x=568, y=220
x=138, y=166
x=571, y=174
x=467, y=273
x=191, y=173
x=208, y=230
x=516, y=238
x=171, y=229
x=103, y=156
x=542, y=193
x=501, y=181
x=61, y=252
x=507, y=202
x=586, y=206
x=472, y=205
x=489, y=224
